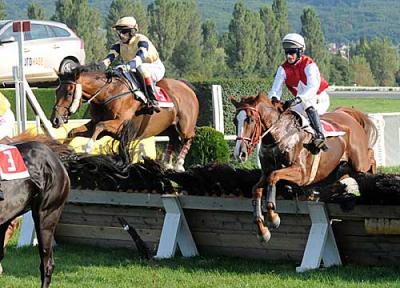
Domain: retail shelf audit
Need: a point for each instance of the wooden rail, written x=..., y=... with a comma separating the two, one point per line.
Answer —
x=224, y=226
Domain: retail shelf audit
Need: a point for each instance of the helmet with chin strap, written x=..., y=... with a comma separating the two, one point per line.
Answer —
x=294, y=41
x=126, y=23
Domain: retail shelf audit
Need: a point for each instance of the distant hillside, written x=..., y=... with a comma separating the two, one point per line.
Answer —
x=342, y=20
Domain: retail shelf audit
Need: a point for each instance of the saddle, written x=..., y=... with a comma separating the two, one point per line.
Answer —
x=329, y=129
x=138, y=88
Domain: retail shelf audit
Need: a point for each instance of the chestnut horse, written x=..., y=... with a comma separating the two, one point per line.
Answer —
x=44, y=193
x=112, y=105
x=283, y=154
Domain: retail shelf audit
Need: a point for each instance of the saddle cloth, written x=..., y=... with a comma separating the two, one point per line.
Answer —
x=163, y=98
x=12, y=164
x=328, y=128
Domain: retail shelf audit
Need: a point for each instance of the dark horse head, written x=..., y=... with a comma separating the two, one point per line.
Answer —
x=283, y=153
x=44, y=192
x=113, y=106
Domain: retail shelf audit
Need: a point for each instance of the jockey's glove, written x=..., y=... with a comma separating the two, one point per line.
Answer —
x=274, y=100
x=102, y=66
x=291, y=102
x=122, y=67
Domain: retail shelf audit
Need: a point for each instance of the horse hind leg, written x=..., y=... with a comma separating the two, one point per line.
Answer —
x=3, y=230
x=167, y=159
x=45, y=225
x=181, y=157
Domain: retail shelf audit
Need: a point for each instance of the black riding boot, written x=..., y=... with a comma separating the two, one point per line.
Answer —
x=151, y=90
x=319, y=139
x=1, y=194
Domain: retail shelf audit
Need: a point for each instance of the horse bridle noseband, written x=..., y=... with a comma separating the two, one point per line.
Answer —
x=255, y=136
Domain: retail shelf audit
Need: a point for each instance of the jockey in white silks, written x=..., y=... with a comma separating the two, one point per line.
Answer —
x=303, y=79
x=137, y=53
x=7, y=121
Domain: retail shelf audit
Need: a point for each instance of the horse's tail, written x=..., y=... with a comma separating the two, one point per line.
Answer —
x=190, y=85
x=363, y=119
x=54, y=145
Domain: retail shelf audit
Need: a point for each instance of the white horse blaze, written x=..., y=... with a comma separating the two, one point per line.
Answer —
x=241, y=116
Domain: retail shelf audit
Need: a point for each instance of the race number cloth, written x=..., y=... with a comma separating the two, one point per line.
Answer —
x=163, y=98
x=330, y=130
x=12, y=165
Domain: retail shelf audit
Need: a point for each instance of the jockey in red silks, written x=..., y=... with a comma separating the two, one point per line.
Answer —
x=138, y=54
x=303, y=79
x=7, y=121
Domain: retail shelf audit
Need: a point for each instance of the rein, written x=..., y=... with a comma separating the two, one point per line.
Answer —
x=92, y=97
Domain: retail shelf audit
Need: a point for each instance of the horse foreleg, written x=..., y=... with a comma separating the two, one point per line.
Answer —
x=85, y=130
x=372, y=160
x=181, y=157
x=292, y=174
x=262, y=231
x=111, y=126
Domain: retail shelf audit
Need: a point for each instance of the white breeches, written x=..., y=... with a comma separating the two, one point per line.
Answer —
x=155, y=69
x=320, y=102
x=7, y=122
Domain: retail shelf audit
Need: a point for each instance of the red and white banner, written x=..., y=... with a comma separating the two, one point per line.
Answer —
x=12, y=164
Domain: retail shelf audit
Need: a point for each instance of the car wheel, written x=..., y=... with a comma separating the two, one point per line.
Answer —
x=67, y=65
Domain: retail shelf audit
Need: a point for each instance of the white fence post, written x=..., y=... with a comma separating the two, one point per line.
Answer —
x=321, y=244
x=175, y=231
x=218, y=110
x=27, y=236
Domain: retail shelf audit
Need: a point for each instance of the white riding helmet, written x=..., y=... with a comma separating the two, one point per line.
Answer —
x=293, y=40
x=126, y=23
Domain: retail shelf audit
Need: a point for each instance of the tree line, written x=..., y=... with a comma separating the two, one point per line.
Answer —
x=250, y=48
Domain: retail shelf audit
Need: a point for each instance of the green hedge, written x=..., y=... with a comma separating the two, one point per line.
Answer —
x=230, y=87
x=46, y=99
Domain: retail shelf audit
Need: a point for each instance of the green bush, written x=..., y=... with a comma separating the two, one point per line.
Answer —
x=209, y=146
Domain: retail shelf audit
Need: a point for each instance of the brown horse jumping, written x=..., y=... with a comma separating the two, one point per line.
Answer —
x=112, y=105
x=283, y=155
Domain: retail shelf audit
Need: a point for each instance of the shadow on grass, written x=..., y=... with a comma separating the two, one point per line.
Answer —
x=24, y=263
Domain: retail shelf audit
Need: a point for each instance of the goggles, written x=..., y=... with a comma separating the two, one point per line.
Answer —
x=291, y=51
x=123, y=31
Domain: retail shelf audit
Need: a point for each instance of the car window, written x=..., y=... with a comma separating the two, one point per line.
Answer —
x=9, y=33
x=60, y=32
x=39, y=32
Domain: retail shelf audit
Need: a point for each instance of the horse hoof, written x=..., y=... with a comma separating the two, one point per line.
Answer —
x=275, y=223
x=168, y=166
x=1, y=270
x=179, y=168
x=264, y=238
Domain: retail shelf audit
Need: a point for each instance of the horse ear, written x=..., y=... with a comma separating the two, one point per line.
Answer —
x=57, y=73
x=262, y=94
x=234, y=101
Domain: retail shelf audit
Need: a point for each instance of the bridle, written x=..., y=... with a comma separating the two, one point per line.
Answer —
x=255, y=136
x=88, y=101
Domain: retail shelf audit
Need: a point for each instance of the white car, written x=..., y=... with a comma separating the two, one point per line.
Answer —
x=48, y=46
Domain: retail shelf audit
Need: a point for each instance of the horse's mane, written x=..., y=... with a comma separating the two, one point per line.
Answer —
x=288, y=132
x=54, y=145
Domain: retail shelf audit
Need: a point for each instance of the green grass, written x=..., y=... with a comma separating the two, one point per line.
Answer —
x=80, y=266
x=368, y=105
